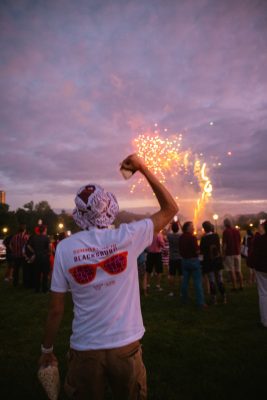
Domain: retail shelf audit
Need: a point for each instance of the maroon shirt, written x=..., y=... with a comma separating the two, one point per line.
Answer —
x=188, y=246
x=231, y=242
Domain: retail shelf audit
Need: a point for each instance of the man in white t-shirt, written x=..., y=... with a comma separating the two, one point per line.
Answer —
x=99, y=265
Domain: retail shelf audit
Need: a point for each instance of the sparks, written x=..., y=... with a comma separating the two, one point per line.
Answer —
x=205, y=186
x=161, y=155
x=166, y=160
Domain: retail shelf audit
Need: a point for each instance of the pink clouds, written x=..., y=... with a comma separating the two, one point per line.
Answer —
x=79, y=80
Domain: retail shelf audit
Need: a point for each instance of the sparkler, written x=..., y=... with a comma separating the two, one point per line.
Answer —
x=166, y=160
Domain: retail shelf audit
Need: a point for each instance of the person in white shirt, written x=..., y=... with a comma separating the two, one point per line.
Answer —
x=100, y=267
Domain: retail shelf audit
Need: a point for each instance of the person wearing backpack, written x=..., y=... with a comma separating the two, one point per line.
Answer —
x=189, y=250
x=212, y=263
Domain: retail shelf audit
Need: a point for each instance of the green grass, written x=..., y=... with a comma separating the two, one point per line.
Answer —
x=219, y=353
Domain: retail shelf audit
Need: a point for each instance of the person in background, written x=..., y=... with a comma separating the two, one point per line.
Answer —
x=260, y=229
x=206, y=282
x=189, y=251
x=9, y=259
x=231, y=252
x=154, y=260
x=175, y=259
x=39, y=245
x=17, y=245
x=259, y=262
x=246, y=249
x=29, y=257
x=165, y=251
x=141, y=265
x=53, y=245
x=100, y=266
x=212, y=263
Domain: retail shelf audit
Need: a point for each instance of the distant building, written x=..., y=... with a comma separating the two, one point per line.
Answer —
x=2, y=197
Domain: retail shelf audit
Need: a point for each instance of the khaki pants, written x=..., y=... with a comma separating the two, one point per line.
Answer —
x=232, y=263
x=122, y=368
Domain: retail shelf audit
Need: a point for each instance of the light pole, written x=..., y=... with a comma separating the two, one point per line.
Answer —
x=5, y=230
x=215, y=219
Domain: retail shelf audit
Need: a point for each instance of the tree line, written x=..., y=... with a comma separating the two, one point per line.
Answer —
x=31, y=214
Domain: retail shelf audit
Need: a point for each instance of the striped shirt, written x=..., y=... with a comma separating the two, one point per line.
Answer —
x=17, y=243
x=165, y=252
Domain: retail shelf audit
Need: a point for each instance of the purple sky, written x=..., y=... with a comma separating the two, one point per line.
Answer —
x=79, y=79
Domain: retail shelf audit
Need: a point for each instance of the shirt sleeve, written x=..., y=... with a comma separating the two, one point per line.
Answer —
x=141, y=234
x=59, y=282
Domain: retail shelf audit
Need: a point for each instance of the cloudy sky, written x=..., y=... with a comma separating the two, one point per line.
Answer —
x=80, y=79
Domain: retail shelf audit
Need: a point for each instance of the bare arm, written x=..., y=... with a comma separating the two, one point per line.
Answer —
x=168, y=206
x=55, y=314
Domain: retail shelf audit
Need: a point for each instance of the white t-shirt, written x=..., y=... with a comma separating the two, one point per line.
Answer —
x=100, y=267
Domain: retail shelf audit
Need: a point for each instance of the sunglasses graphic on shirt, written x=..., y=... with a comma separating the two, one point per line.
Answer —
x=86, y=273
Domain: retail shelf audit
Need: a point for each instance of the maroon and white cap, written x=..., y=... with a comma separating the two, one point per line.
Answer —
x=94, y=207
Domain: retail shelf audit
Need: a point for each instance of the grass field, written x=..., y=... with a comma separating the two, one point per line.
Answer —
x=219, y=353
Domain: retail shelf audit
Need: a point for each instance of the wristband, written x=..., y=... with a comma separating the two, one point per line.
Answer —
x=47, y=351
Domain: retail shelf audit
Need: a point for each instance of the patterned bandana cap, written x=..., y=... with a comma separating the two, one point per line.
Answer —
x=94, y=207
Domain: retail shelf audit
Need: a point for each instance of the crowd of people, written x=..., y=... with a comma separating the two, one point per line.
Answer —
x=175, y=250
x=205, y=260
x=30, y=258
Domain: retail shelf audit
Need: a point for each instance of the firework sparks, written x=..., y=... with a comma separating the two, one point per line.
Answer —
x=166, y=160
x=205, y=186
x=161, y=155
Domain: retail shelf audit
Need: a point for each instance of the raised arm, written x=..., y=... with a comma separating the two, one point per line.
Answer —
x=168, y=206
